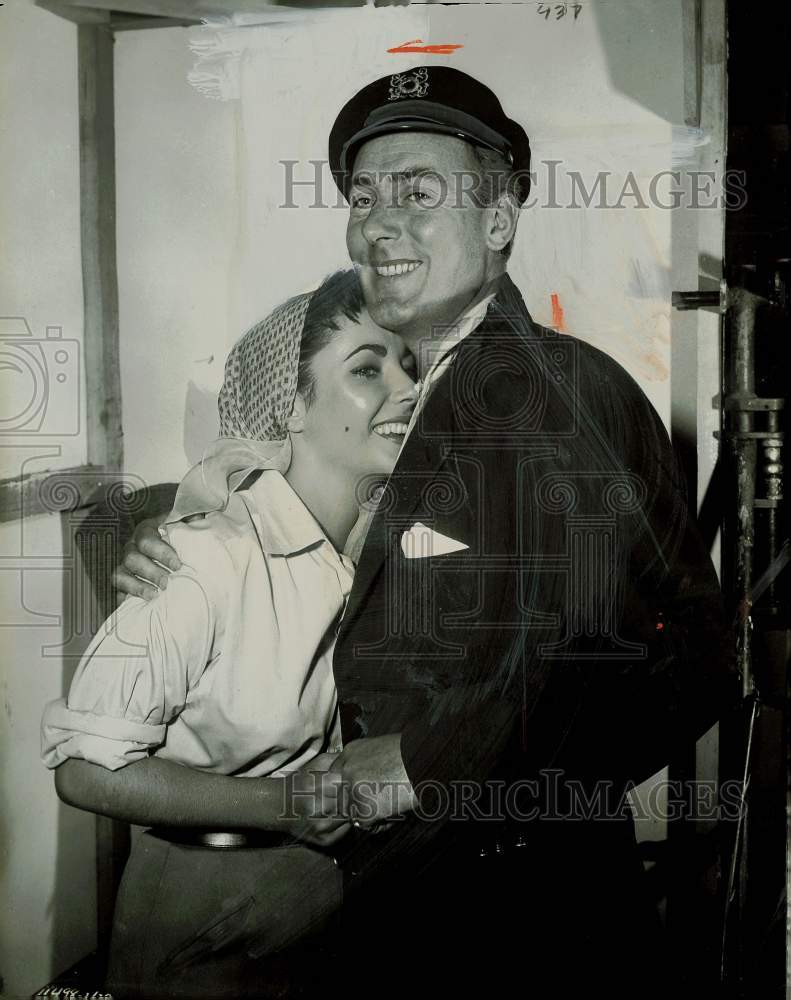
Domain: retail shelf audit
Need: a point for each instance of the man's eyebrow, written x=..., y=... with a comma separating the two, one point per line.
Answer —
x=364, y=177
x=413, y=172
x=376, y=348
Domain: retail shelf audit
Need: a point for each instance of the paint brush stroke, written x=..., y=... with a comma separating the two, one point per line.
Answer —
x=557, y=313
x=417, y=45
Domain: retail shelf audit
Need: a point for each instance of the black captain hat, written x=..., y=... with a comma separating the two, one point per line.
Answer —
x=426, y=99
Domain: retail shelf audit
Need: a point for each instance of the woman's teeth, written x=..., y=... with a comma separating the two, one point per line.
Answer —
x=393, y=270
x=391, y=429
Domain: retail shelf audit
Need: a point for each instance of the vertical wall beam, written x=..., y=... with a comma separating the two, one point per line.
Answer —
x=101, y=348
x=97, y=223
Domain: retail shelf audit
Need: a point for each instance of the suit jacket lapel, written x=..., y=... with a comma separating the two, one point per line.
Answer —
x=428, y=446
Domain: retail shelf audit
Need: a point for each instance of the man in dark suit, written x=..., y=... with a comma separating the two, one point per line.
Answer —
x=534, y=623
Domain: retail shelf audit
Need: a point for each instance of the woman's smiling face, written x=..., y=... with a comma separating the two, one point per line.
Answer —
x=363, y=397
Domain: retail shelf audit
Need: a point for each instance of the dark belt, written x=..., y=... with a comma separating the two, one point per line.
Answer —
x=222, y=840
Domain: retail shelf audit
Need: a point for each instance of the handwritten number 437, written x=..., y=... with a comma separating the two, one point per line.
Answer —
x=559, y=10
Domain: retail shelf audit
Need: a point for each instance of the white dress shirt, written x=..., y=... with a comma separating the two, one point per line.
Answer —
x=230, y=668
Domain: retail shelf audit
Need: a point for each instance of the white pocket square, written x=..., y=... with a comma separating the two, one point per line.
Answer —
x=420, y=542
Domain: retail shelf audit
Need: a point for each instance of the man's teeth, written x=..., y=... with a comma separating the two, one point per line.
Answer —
x=391, y=270
x=384, y=430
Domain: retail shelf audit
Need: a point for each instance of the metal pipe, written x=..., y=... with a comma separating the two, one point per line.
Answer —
x=696, y=300
x=773, y=475
x=747, y=423
x=742, y=307
x=740, y=404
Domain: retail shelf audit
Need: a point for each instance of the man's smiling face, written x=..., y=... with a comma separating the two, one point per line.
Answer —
x=420, y=242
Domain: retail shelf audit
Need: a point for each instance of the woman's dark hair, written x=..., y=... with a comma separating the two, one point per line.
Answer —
x=337, y=296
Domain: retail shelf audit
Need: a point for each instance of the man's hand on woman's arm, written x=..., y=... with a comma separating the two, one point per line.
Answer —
x=156, y=792
x=147, y=563
x=313, y=801
x=375, y=786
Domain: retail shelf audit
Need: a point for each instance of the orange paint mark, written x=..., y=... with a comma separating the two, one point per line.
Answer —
x=557, y=313
x=658, y=370
x=416, y=45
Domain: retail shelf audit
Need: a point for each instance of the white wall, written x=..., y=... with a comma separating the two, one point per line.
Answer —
x=41, y=276
x=47, y=920
x=47, y=884
x=178, y=230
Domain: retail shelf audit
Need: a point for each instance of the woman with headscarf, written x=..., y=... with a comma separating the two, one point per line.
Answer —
x=209, y=714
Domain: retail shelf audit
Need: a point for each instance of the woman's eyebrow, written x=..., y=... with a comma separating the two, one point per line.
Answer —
x=376, y=348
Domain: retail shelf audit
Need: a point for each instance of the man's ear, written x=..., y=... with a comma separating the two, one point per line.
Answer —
x=296, y=422
x=503, y=217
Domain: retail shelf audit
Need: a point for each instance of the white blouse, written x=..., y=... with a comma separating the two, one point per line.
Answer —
x=230, y=668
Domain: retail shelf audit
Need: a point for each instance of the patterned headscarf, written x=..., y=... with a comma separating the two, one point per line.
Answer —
x=255, y=403
x=261, y=375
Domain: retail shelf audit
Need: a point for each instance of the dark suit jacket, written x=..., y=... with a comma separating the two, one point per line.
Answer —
x=579, y=631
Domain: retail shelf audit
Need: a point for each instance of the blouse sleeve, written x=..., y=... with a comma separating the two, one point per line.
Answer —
x=137, y=672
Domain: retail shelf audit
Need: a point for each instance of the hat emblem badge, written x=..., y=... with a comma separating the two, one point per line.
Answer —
x=414, y=84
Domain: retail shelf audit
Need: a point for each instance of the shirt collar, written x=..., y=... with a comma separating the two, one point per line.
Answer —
x=285, y=525
x=469, y=320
